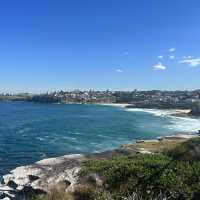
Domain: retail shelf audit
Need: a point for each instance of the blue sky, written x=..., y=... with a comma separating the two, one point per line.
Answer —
x=99, y=44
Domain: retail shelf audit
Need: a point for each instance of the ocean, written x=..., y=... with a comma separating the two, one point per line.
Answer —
x=30, y=132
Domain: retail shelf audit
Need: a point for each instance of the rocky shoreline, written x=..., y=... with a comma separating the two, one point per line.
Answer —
x=26, y=181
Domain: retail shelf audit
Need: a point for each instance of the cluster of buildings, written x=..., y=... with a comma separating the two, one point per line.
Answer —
x=164, y=99
x=151, y=99
x=148, y=99
x=90, y=96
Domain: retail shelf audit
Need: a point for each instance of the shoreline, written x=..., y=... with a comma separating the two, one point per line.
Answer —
x=185, y=113
x=43, y=175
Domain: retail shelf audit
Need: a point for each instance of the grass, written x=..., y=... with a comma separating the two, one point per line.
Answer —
x=155, y=146
x=85, y=192
x=56, y=193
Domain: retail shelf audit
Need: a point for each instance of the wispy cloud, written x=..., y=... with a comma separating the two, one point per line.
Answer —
x=119, y=70
x=171, y=57
x=172, y=49
x=187, y=57
x=159, y=66
x=193, y=62
x=160, y=57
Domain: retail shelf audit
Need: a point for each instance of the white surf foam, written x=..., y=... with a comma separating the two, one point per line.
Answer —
x=157, y=112
x=182, y=124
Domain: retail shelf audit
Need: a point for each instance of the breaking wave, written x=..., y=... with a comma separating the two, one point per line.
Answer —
x=182, y=124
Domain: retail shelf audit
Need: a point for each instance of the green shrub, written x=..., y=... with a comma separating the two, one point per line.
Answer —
x=148, y=176
x=188, y=150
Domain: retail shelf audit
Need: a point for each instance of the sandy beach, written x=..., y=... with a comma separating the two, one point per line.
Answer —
x=158, y=112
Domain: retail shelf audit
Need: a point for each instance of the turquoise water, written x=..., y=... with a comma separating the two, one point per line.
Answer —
x=30, y=132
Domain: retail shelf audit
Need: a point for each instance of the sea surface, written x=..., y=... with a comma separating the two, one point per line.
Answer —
x=30, y=132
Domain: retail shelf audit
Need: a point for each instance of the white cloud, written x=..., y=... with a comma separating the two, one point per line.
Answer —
x=159, y=66
x=119, y=70
x=171, y=57
x=187, y=57
x=193, y=62
x=172, y=49
x=160, y=57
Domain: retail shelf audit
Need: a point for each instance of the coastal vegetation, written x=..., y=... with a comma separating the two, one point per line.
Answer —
x=172, y=172
x=186, y=151
x=148, y=176
x=44, y=98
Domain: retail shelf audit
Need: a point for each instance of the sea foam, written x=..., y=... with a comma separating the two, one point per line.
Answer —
x=182, y=124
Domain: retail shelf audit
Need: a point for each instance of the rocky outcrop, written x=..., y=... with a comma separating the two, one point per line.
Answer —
x=26, y=181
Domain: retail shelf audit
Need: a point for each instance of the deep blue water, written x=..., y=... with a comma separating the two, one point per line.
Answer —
x=30, y=132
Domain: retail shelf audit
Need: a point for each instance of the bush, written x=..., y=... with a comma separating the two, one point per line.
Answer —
x=148, y=176
x=187, y=151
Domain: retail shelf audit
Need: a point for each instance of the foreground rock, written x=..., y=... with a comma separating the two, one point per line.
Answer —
x=26, y=181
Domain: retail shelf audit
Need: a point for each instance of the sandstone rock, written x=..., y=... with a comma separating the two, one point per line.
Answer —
x=41, y=177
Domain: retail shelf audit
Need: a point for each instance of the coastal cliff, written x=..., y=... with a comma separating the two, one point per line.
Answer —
x=27, y=182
